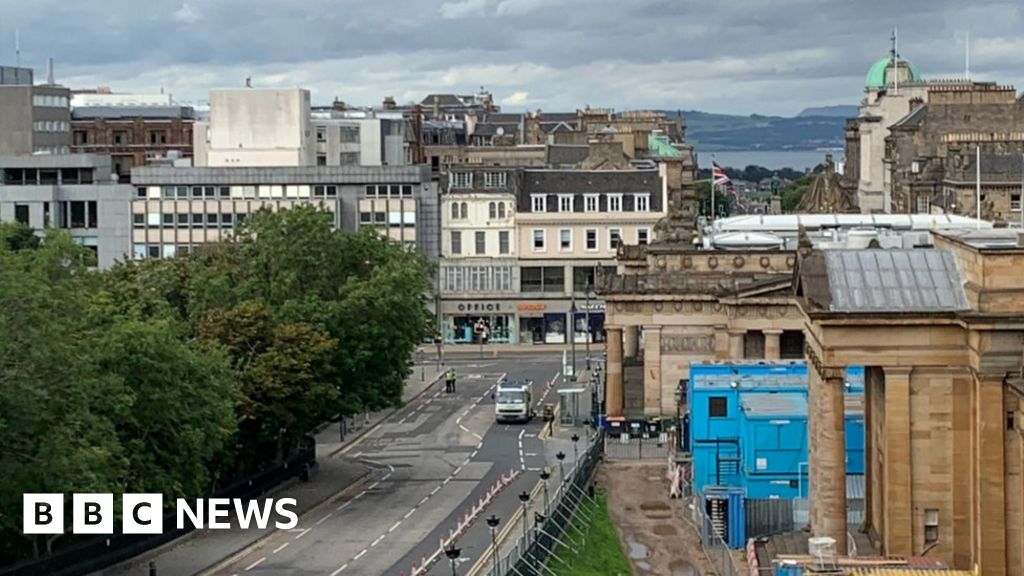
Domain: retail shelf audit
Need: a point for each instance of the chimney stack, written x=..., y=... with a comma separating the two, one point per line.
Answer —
x=49, y=71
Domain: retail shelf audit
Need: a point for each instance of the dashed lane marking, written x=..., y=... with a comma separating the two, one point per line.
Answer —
x=306, y=531
x=324, y=519
x=407, y=514
x=255, y=564
x=394, y=526
x=361, y=554
x=339, y=570
x=281, y=547
x=377, y=541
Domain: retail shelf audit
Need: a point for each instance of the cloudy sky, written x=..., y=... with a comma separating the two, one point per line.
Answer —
x=736, y=56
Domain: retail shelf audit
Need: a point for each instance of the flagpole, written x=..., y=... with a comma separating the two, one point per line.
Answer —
x=712, y=189
x=977, y=182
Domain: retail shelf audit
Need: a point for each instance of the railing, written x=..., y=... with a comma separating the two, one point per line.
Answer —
x=626, y=447
x=101, y=552
x=721, y=558
x=553, y=538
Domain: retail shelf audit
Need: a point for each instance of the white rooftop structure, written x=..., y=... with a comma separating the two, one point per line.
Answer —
x=90, y=100
x=793, y=222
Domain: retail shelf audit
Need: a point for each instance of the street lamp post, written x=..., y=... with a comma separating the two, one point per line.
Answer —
x=545, y=474
x=572, y=332
x=492, y=523
x=440, y=324
x=590, y=332
x=453, y=554
x=561, y=466
x=524, y=497
x=575, y=449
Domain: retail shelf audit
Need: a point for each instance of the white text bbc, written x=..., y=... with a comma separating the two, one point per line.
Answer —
x=143, y=513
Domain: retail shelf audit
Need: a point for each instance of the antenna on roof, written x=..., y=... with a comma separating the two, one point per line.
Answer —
x=967, y=56
x=895, y=62
x=248, y=81
x=49, y=71
x=17, y=47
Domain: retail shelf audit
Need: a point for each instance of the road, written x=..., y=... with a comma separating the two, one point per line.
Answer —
x=434, y=461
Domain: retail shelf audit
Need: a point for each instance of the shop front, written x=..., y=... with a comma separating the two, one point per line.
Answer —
x=589, y=322
x=466, y=322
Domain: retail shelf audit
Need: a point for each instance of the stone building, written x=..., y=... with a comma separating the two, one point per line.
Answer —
x=34, y=118
x=133, y=135
x=944, y=402
x=827, y=194
x=931, y=153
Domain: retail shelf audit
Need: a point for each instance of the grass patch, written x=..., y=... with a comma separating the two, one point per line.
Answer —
x=602, y=553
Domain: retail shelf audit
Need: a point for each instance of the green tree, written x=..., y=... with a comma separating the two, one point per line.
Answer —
x=794, y=193
x=17, y=236
x=723, y=200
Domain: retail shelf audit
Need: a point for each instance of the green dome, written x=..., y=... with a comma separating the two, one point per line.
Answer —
x=879, y=75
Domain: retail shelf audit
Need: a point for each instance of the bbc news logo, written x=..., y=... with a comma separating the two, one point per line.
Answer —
x=144, y=513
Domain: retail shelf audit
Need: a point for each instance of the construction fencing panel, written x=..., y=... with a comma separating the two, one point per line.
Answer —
x=765, y=517
x=627, y=447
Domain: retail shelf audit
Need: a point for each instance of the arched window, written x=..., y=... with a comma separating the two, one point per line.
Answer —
x=455, y=210
x=492, y=210
x=465, y=211
x=501, y=209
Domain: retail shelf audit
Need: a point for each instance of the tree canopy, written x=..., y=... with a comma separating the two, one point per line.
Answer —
x=180, y=376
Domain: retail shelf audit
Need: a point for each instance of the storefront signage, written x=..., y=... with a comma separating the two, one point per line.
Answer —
x=591, y=307
x=478, y=307
x=532, y=307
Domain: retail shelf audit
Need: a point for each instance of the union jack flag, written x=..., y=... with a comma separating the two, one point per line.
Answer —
x=718, y=176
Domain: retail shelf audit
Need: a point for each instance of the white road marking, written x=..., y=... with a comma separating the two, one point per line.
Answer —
x=281, y=547
x=343, y=506
x=304, y=532
x=531, y=435
x=480, y=444
x=361, y=554
x=457, y=470
x=372, y=486
x=357, y=454
x=531, y=453
x=255, y=564
x=377, y=541
x=395, y=525
x=521, y=433
x=322, y=520
x=360, y=495
x=473, y=455
x=446, y=480
x=407, y=514
x=339, y=570
x=434, y=491
x=424, y=501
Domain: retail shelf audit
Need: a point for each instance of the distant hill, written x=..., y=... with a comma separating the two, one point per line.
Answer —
x=830, y=111
x=720, y=132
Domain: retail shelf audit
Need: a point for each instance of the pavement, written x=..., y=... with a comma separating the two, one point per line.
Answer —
x=335, y=477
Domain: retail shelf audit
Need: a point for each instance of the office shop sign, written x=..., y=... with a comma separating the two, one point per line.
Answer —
x=478, y=307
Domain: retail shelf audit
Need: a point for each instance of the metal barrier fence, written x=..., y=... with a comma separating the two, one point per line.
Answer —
x=626, y=447
x=553, y=538
x=766, y=517
x=104, y=551
x=718, y=553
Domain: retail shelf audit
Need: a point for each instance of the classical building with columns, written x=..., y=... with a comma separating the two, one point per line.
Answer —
x=939, y=332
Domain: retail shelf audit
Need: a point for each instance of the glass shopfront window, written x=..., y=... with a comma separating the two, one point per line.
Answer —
x=464, y=329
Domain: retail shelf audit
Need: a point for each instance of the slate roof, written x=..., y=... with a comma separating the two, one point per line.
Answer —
x=132, y=112
x=606, y=181
x=914, y=119
x=995, y=168
x=566, y=154
x=883, y=281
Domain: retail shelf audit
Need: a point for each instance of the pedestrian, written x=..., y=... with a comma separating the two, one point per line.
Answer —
x=453, y=381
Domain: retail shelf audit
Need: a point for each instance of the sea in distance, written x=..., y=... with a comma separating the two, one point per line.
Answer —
x=771, y=159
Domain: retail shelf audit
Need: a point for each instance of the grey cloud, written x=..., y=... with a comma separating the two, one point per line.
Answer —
x=741, y=56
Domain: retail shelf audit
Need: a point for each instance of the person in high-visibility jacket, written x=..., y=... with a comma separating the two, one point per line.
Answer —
x=449, y=381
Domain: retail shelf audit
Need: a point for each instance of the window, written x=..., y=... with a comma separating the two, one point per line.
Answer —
x=931, y=525
x=643, y=202
x=321, y=159
x=321, y=134
x=153, y=251
x=81, y=137
x=501, y=209
x=753, y=344
x=1010, y=420
x=167, y=219
x=503, y=242
x=495, y=179
x=21, y=213
x=538, y=202
x=591, y=239
x=463, y=211
x=197, y=219
x=365, y=217
x=1015, y=202
x=582, y=278
x=642, y=236
x=538, y=240
x=481, y=243
x=615, y=202
x=158, y=137
x=492, y=210
x=140, y=192
x=182, y=219
x=791, y=345
x=406, y=190
x=349, y=159
x=93, y=214
x=78, y=215
x=455, y=210
x=120, y=138
x=456, y=242
x=211, y=220
x=591, y=203
x=614, y=238
x=225, y=192
x=139, y=220
x=718, y=407
x=462, y=179
x=349, y=134
x=542, y=279
x=923, y=204
x=564, y=203
x=565, y=239
x=915, y=167
x=46, y=214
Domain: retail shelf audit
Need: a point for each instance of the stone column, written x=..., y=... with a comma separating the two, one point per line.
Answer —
x=772, y=347
x=736, y=343
x=898, y=539
x=989, y=465
x=721, y=342
x=827, y=432
x=652, y=370
x=613, y=397
x=630, y=342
